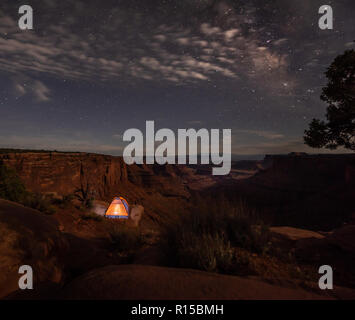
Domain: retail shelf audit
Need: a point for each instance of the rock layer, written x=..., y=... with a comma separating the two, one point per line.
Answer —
x=105, y=176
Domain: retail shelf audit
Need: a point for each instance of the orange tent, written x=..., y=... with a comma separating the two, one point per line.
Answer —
x=118, y=209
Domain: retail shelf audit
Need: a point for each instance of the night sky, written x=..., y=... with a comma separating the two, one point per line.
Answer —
x=92, y=69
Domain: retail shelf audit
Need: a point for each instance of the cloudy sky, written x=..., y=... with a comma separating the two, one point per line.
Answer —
x=92, y=69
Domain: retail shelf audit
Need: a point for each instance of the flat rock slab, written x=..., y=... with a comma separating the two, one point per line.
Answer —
x=295, y=233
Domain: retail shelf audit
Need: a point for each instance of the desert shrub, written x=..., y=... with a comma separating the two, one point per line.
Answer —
x=85, y=194
x=13, y=189
x=39, y=202
x=206, y=237
x=125, y=238
x=64, y=202
x=241, y=233
x=205, y=252
x=11, y=186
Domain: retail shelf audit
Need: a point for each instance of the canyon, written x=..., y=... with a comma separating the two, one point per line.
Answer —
x=307, y=199
x=286, y=183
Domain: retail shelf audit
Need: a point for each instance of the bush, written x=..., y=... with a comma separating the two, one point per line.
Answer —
x=85, y=194
x=207, y=236
x=64, y=202
x=125, y=238
x=206, y=252
x=12, y=189
x=40, y=203
x=11, y=186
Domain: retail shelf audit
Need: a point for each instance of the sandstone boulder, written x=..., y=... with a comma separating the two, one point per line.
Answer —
x=150, y=282
x=28, y=237
x=136, y=214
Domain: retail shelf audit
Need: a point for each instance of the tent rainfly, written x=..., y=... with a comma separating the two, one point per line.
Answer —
x=118, y=209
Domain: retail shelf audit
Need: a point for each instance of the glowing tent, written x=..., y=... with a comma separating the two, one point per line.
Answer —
x=118, y=209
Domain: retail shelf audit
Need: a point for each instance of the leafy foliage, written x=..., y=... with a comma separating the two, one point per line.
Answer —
x=11, y=186
x=40, y=202
x=13, y=189
x=339, y=129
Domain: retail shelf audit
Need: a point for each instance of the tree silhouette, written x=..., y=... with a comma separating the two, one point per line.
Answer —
x=339, y=129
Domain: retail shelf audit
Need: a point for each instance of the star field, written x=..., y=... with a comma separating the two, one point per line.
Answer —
x=92, y=69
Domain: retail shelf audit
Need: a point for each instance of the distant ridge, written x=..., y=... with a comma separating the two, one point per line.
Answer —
x=10, y=150
x=234, y=156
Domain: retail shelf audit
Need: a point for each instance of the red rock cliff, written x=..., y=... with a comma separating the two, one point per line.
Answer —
x=63, y=173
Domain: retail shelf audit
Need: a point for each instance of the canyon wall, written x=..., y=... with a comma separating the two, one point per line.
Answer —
x=105, y=176
x=306, y=173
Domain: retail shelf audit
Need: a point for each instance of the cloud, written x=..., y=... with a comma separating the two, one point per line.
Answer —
x=24, y=85
x=40, y=91
x=195, y=122
x=160, y=37
x=65, y=143
x=291, y=145
x=209, y=30
x=152, y=54
x=183, y=41
x=261, y=133
x=19, y=89
x=229, y=34
x=60, y=143
x=224, y=42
